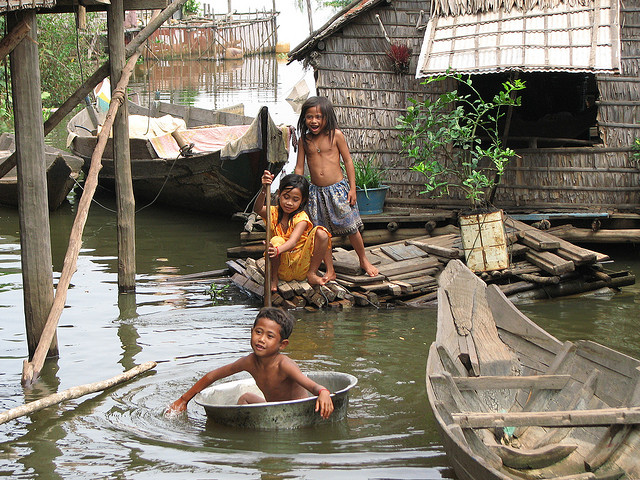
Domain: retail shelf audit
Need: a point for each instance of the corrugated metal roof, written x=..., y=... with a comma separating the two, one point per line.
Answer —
x=569, y=38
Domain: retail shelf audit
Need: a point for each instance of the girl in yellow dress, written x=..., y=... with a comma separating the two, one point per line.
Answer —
x=297, y=248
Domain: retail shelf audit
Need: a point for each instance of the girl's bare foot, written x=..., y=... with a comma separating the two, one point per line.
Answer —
x=314, y=279
x=329, y=276
x=368, y=267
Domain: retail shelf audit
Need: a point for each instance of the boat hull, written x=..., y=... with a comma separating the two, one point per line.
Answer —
x=63, y=170
x=206, y=181
x=219, y=402
x=511, y=401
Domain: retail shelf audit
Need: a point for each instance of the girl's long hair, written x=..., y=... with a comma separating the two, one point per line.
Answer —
x=326, y=108
x=289, y=182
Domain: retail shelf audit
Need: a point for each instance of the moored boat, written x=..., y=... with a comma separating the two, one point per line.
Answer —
x=63, y=170
x=511, y=401
x=220, y=403
x=191, y=158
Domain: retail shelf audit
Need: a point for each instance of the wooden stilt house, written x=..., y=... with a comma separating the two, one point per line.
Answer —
x=580, y=112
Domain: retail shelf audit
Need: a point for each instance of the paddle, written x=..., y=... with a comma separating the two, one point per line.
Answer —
x=267, y=260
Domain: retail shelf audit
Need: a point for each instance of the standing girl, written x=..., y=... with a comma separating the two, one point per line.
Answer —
x=297, y=248
x=332, y=198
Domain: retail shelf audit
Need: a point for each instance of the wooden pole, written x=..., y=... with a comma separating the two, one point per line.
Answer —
x=125, y=201
x=31, y=370
x=310, y=17
x=264, y=125
x=83, y=90
x=73, y=392
x=35, y=234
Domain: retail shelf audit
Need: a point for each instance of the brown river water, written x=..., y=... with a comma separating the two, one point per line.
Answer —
x=122, y=433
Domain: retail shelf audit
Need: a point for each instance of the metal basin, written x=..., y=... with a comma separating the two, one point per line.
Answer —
x=219, y=401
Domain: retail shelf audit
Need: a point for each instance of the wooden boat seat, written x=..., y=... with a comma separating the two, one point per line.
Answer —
x=523, y=458
x=530, y=382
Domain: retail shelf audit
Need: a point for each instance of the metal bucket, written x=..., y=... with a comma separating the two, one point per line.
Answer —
x=219, y=401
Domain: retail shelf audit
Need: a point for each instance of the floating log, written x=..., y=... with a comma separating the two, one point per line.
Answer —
x=73, y=392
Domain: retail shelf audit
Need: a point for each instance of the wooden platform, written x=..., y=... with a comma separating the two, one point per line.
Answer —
x=541, y=264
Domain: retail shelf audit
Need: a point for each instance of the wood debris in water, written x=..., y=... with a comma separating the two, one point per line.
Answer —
x=542, y=265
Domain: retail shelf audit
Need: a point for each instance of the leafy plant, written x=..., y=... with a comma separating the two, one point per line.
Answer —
x=444, y=138
x=368, y=173
x=636, y=152
x=191, y=6
x=215, y=291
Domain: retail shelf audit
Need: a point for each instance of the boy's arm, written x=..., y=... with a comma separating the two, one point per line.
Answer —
x=180, y=404
x=341, y=143
x=324, y=404
x=300, y=160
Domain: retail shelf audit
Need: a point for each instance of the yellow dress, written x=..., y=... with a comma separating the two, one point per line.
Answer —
x=294, y=264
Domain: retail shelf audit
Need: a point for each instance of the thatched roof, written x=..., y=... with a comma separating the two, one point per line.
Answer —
x=443, y=8
x=535, y=36
x=337, y=22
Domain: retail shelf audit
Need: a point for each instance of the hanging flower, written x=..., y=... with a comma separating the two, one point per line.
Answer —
x=400, y=55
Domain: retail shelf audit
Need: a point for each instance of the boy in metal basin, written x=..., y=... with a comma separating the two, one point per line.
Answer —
x=276, y=375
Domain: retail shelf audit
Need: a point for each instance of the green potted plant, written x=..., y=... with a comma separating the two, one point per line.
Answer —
x=370, y=190
x=455, y=143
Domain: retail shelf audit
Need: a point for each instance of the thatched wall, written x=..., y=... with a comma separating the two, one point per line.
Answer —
x=354, y=71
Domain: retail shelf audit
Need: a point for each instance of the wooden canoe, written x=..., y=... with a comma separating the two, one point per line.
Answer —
x=214, y=176
x=512, y=402
x=63, y=170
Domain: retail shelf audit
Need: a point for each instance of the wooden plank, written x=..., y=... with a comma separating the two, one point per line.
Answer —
x=556, y=418
x=403, y=276
x=359, y=279
x=495, y=382
x=285, y=290
x=403, y=252
x=441, y=251
x=550, y=262
x=408, y=266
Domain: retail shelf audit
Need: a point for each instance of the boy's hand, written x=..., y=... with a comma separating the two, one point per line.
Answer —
x=178, y=406
x=324, y=404
x=351, y=197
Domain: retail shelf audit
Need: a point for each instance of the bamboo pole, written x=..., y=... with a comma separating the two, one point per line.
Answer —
x=31, y=370
x=83, y=90
x=73, y=392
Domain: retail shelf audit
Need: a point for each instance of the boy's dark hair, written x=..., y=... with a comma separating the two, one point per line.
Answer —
x=289, y=182
x=281, y=317
x=326, y=107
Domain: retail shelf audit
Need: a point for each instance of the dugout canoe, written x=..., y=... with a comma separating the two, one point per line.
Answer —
x=63, y=170
x=513, y=402
x=212, y=163
x=219, y=401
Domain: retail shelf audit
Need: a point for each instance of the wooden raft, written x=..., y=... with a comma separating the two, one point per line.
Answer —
x=542, y=265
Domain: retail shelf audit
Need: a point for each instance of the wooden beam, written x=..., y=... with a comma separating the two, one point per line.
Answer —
x=560, y=418
x=13, y=38
x=494, y=382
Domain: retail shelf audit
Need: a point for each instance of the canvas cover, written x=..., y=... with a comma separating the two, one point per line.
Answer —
x=580, y=36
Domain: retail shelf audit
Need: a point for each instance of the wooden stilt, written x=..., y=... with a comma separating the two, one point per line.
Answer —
x=37, y=272
x=125, y=200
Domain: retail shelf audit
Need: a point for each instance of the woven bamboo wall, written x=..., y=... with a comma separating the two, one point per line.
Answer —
x=354, y=72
